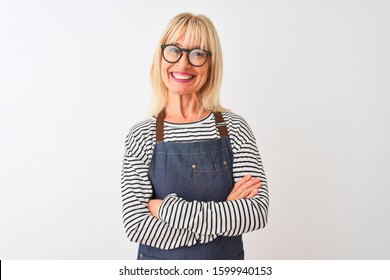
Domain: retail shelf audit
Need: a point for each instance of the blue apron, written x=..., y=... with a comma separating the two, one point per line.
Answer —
x=199, y=171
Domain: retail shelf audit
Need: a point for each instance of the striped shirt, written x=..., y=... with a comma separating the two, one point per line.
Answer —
x=185, y=223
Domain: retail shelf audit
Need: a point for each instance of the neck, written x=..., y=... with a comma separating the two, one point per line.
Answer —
x=184, y=108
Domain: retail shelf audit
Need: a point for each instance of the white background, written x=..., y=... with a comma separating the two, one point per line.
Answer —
x=310, y=77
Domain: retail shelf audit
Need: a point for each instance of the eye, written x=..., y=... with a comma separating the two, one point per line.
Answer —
x=198, y=53
x=173, y=50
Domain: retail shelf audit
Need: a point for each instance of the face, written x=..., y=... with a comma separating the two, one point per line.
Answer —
x=181, y=77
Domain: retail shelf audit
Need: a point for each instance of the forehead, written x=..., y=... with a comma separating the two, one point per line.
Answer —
x=185, y=37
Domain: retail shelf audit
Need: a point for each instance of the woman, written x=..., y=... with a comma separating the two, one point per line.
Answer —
x=192, y=179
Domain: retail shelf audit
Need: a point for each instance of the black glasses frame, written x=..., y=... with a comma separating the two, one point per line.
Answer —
x=208, y=53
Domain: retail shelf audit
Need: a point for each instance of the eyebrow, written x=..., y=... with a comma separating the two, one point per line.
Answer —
x=181, y=46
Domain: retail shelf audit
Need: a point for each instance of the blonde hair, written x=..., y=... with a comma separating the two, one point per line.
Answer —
x=198, y=28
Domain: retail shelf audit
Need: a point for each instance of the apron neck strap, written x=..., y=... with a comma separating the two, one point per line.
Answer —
x=219, y=122
x=160, y=126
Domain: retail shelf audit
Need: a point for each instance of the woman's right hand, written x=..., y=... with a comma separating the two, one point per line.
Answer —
x=246, y=187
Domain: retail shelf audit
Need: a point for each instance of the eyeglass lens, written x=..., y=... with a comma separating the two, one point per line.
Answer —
x=196, y=57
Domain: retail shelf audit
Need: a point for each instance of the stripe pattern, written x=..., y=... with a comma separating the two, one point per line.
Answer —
x=183, y=223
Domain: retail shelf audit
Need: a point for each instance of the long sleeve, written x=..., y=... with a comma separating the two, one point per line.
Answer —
x=227, y=218
x=140, y=225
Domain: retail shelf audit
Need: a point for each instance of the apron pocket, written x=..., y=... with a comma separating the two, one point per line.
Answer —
x=212, y=182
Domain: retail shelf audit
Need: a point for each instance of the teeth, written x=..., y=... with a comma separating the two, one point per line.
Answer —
x=182, y=77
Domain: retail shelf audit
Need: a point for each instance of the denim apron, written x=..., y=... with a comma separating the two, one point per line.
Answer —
x=199, y=171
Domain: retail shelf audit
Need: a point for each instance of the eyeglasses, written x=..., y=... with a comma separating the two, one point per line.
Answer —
x=196, y=57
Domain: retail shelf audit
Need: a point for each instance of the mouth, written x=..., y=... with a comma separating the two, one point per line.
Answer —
x=182, y=76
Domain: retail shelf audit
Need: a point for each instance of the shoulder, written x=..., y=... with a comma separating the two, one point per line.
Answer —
x=141, y=133
x=239, y=130
x=142, y=127
x=235, y=122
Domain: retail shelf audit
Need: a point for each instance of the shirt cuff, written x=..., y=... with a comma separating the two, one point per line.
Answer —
x=162, y=212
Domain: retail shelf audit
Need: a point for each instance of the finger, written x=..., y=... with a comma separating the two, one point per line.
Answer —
x=240, y=182
x=253, y=193
x=244, y=193
x=246, y=188
x=249, y=191
x=249, y=184
x=236, y=194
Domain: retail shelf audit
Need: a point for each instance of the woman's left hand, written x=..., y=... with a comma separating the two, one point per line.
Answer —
x=246, y=187
x=153, y=206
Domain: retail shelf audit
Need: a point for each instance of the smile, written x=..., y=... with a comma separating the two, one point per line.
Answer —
x=182, y=76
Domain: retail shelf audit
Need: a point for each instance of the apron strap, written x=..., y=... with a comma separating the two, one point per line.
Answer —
x=160, y=126
x=219, y=122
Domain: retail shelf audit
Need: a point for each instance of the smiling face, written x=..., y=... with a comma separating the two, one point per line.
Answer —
x=181, y=77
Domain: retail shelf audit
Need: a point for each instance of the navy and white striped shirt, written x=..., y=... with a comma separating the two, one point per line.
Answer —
x=198, y=222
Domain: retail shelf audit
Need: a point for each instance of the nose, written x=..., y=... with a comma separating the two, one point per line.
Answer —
x=183, y=61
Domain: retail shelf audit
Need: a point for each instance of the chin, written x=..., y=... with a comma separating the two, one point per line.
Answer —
x=181, y=92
